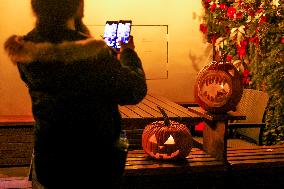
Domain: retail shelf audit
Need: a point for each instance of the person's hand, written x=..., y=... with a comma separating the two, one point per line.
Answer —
x=130, y=44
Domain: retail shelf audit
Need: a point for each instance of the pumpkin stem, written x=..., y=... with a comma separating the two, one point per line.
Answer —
x=166, y=118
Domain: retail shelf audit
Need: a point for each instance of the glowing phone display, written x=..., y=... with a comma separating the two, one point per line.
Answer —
x=116, y=31
x=110, y=33
x=123, y=32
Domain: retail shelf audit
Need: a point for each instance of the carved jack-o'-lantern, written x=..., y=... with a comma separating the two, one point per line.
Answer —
x=166, y=140
x=218, y=88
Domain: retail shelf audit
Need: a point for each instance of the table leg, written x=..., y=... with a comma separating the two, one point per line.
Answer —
x=215, y=139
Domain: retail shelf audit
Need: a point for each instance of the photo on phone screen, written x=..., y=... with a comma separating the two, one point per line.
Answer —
x=110, y=33
x=123, y=32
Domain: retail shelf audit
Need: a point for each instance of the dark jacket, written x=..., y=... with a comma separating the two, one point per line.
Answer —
x=75, y=86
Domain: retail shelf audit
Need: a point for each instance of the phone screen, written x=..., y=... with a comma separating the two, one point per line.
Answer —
x=110, y=33
x=123, y=32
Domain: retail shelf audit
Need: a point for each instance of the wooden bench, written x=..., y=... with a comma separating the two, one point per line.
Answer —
x=16, y=144
x=256, y=167
x=141, y=171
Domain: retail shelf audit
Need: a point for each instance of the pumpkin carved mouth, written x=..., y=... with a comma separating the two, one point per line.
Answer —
x=218, y=87
x=215, y=88
x=164, y=156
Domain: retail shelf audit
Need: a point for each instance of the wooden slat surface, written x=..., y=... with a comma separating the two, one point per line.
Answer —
x=146, y=111
x=176, y=108
x=256, y=157
x=256, y=167
x=13, y=120
x=128, y=112
x=138, y=163
x=139, y=111
x=216, y=117
x=154, y=104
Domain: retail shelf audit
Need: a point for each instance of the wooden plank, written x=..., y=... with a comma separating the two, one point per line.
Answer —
x=148, y=161
x=139, y=159
x=129, y=113
x=174, y=105
x=214, y=140
x=10, y=120
x=154, y=105
x=216, y=117
x=165, y=165
x=15, y=131
x=257, y=165
x=146, y=107
x=192, y=155
x=215, y=132
x=254, y=154
x=15, y=161
x=123, y=116
x=261, y=148
x=257, y=157
x=15, y=182
x=142, y=113
x=175, y=112
x=255, y=151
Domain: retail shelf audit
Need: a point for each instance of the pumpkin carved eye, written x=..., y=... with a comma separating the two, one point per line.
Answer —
x=170, y=140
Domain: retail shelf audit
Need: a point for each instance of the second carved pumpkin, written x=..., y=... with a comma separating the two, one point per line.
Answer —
x=218, y=88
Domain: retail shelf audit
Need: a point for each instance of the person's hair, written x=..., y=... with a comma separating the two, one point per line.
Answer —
x=54, y=11
x=81, y=27
x=52, y=16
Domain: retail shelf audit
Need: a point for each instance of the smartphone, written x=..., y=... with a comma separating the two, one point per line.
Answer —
x=123, y=32
x=110, y=33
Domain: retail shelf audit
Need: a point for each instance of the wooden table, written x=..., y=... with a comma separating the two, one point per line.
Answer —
x=18, y=129
x=137, y=116
x=215, y=131
x=132, y=115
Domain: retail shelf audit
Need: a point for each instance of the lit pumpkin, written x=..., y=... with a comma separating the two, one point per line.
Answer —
x=218, y=87
x=166, y=140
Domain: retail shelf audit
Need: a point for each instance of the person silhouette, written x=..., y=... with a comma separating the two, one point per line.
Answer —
x=76, y=84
